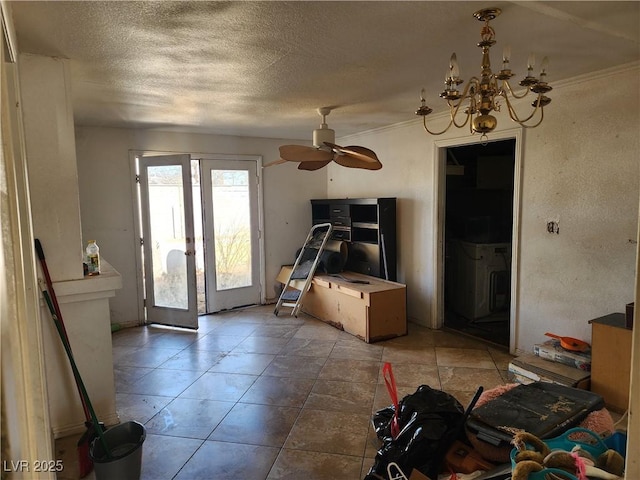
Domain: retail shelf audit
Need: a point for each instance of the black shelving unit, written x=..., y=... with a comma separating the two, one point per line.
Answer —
x=369, y=227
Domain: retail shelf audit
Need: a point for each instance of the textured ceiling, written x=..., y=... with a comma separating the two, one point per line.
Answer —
x=262, y=68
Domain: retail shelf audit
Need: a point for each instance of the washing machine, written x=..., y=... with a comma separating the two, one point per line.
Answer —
x=478, y=278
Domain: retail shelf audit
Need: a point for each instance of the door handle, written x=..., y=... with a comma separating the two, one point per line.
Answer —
x=190, y=253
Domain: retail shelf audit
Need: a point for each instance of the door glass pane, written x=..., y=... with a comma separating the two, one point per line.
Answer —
x=166, y=219
x=232, y=228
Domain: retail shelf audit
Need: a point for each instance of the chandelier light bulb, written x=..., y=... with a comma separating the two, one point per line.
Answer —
x=531, y=62
x=453, y=66
x=544, y=65
x=506, y=54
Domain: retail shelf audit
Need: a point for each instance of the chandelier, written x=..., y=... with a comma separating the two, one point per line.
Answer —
x=481, y=95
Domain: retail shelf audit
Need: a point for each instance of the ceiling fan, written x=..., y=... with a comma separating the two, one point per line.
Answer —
x=325, y=151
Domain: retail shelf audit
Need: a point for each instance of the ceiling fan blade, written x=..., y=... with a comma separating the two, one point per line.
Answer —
x=301, y=153
x=363, y=153
x=275, y=162
x=348, y=160
x=313, y=165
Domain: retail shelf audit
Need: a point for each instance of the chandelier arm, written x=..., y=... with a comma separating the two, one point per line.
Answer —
x=539, y=121
x=513, y=94
x=514, y=116
x=424, y=124
x=454, y=115
x=453, y=112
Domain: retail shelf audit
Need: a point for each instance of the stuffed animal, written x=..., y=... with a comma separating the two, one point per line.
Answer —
x=578, y=462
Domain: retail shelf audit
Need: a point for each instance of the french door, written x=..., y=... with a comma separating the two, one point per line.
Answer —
x=231, y=233
x=166, y=208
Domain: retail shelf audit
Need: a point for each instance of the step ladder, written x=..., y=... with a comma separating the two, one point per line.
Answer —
x=299, y=281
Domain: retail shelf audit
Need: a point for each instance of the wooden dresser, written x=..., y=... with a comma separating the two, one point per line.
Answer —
x=611, y=360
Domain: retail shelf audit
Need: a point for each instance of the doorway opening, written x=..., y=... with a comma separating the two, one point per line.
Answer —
x=199, y=222
x=478, y=230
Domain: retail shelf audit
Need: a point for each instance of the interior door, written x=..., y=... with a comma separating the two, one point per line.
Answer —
x=168, y=240
x=231, y=233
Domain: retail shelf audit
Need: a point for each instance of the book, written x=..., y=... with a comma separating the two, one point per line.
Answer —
x=539, y=369
x=553, y=351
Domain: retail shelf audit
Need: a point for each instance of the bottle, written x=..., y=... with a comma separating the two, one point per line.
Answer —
x=93, y=258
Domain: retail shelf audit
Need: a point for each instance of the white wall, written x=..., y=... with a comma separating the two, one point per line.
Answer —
x=107, y=205
x=580, y=166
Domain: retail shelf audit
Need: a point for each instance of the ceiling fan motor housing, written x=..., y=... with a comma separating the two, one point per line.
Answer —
x=323, y=134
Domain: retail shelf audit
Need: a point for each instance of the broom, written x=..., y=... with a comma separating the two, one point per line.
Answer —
x=84, y=459
x=76, y=375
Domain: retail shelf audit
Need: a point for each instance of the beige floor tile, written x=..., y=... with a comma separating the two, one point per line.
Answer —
x=357, y=351
x=249, y=363
x=329, y=432
x=267, y=345
x=464, y=357
x=501, y=358
x=308, y=347
x=139, y=407
x=284, y=391
x=226, y=387
x=252, y=424
x=295, y=366
x=298, y=465
x=413, y=375
x=463, y=379
x=193, y=359
x=349, y=370
x=275, y=331
x=163, y=456
x=317, y=330
x=225, y=460
x=189, y=417
x=416, y=354
x=446, y=338
x=341, y=396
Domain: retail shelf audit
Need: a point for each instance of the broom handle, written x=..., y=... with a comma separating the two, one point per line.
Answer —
x=76, y=374
x=56, y=307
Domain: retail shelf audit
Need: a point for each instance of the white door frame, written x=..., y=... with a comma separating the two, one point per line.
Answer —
x=438, y=202
x=137, y=225
x=259, y=247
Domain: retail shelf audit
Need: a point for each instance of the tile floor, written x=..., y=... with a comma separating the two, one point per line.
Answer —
x=255, y=396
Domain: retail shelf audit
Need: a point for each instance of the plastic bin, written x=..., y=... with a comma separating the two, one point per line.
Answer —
x=124, y=442
x=589, y=441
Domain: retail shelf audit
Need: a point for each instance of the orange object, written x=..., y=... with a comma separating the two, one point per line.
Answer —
x=570, y=343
